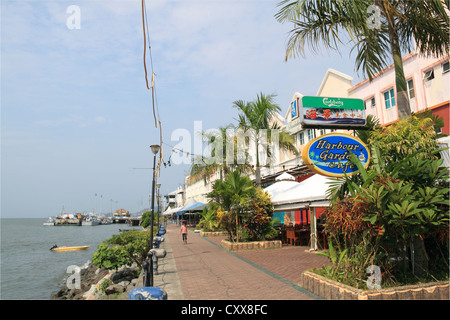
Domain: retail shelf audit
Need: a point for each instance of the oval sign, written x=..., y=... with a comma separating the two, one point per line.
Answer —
x=329, y=154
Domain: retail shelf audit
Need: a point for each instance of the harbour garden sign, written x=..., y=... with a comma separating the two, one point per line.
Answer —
x=329, y=154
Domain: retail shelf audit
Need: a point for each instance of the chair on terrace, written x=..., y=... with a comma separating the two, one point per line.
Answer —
x=304, y=235
x=292, y=237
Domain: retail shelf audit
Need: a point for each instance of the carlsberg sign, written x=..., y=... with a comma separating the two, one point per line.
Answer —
x=328, y=111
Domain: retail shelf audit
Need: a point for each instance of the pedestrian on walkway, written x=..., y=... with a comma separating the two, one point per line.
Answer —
x=184, y=232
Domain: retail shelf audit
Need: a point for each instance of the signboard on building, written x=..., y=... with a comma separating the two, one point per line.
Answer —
x=294, y=108
x=327, y=111
x=329, y=155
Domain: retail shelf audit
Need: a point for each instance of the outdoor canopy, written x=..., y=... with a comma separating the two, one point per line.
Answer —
x=191, y=205
x=170, y=211
x=196, y=207
x=285, y=176
x=290, y=195
x=280, y=187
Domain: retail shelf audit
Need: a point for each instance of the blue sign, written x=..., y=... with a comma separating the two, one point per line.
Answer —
x=329, y=155
x=294, y=110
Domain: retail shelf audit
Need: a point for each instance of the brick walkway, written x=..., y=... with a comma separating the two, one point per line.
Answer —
x=206, y=271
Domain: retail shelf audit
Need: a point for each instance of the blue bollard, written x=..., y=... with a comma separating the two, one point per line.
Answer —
x=147, y=293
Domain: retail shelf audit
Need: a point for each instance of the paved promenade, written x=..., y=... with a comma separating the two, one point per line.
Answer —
x=203, y=270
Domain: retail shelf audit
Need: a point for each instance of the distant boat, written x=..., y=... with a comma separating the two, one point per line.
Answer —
x=69, y=248
x=50, y=222
x=68, y=220
x=90, y=221
x=106, y=220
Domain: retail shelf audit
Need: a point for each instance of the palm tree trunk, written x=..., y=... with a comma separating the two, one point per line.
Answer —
x=403, y=107
x=258, y=176
x=258, y=169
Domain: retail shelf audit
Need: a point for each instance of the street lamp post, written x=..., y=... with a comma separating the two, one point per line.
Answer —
x=155, y=149
x=157, y=198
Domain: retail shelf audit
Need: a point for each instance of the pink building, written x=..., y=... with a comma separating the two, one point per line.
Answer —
x=428, y=81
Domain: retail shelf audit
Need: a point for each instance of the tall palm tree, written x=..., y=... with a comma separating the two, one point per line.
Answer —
x=378, y=29
x=223, y=143
x=255, y=118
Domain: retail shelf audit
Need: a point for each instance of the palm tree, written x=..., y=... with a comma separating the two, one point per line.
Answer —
x=209, y=219
x=379, y=30
x=255, y=118
x=232, y=194
x=221, y=142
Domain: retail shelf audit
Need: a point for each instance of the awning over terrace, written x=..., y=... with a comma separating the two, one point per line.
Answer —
x=170, y=211
x=290, y=195
x=190, y=207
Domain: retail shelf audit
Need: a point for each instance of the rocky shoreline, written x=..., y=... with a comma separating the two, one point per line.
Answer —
x=101, y=284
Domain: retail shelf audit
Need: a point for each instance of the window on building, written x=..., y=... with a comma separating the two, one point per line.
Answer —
x=389, y=98
x=445, y=67
x=302, y=138
x=428, y=75
x=369, y=103
x=310, y=134
x=322, y=132
x=410, y=87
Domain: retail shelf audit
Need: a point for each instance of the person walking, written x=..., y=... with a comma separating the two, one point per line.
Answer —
x=184, y=232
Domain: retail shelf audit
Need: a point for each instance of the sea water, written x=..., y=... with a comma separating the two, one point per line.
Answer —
x=29, y=270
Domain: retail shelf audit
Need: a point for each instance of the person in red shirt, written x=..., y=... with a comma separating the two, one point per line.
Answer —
x=184, y=232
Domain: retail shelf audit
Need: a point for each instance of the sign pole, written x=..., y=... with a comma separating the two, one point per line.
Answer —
x=313, y=231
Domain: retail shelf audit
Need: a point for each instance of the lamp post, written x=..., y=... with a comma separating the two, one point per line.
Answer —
x=155, y=149
x=157, y=198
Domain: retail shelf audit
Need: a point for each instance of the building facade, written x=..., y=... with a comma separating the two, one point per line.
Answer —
x=428, y=81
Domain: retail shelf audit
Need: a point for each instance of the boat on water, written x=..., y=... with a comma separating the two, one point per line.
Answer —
x=64, y=248
x=68, y=220
x=90, y=221
x=50, y=222
x=106, y=220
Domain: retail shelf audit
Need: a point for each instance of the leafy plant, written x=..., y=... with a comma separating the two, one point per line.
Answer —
x=397, y=207
x=105, y=284
x=146, y=219
x=258, y=219
x=209, y=220
x=111, y=257
x=122, y=249
x=233, y=194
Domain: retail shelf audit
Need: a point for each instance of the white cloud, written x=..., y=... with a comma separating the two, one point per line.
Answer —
x=75, y=120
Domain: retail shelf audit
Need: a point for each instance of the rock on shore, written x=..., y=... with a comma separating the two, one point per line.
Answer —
x=123, y=280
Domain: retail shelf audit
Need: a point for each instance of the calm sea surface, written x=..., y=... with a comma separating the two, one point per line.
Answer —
x=29, y=270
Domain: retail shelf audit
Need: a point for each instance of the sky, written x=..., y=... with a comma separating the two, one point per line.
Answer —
x=76, y=115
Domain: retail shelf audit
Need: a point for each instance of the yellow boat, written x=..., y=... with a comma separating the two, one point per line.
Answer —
x=70, y=248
